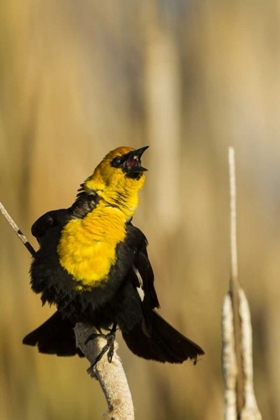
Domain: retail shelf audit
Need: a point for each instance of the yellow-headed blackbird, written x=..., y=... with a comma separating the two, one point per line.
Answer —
x=93, y=265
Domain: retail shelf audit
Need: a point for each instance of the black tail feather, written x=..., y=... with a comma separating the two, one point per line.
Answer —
x=55, y=336
x=165, y=344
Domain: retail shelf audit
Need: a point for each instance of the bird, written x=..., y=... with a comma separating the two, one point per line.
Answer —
x=93, y=265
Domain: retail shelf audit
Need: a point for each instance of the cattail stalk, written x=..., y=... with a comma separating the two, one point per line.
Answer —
x=237, y=358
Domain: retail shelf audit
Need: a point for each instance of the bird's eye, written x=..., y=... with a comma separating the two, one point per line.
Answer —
x=116, y=162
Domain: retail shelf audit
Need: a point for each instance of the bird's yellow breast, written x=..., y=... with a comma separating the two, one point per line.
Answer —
x=87, y=247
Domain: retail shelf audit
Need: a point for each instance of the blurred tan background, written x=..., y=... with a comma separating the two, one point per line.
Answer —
x=188, y=78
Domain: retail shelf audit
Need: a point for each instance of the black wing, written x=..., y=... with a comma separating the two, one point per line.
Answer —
x=84, y=204
x=143, y=281
x=154, y=338
x=143, y=265
x=143, y=273
x=55, y=336
x=49, y=220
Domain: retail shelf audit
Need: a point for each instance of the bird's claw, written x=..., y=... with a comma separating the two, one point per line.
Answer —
x=109, y=347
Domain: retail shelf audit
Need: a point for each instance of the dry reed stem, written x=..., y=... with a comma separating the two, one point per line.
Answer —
x=229, y=359
x=111, y=376
x=250, y=409
x=234, y=285
x=237, y=359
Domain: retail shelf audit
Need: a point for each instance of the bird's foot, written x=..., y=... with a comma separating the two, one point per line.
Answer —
x=109, y=347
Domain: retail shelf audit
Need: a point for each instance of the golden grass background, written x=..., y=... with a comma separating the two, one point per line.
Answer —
x=187, y=78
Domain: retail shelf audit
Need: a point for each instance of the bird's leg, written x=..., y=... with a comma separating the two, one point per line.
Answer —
x=110, y=342
x=109, y=347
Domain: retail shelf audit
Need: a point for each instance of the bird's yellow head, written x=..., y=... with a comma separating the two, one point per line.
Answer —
x=118, y=178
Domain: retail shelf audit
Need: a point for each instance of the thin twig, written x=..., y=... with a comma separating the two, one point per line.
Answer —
x=233, y=224
x=234, y=285
x=17, y=230
x=111, y=376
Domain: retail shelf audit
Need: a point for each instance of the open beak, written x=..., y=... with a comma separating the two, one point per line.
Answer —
x=132, y=163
